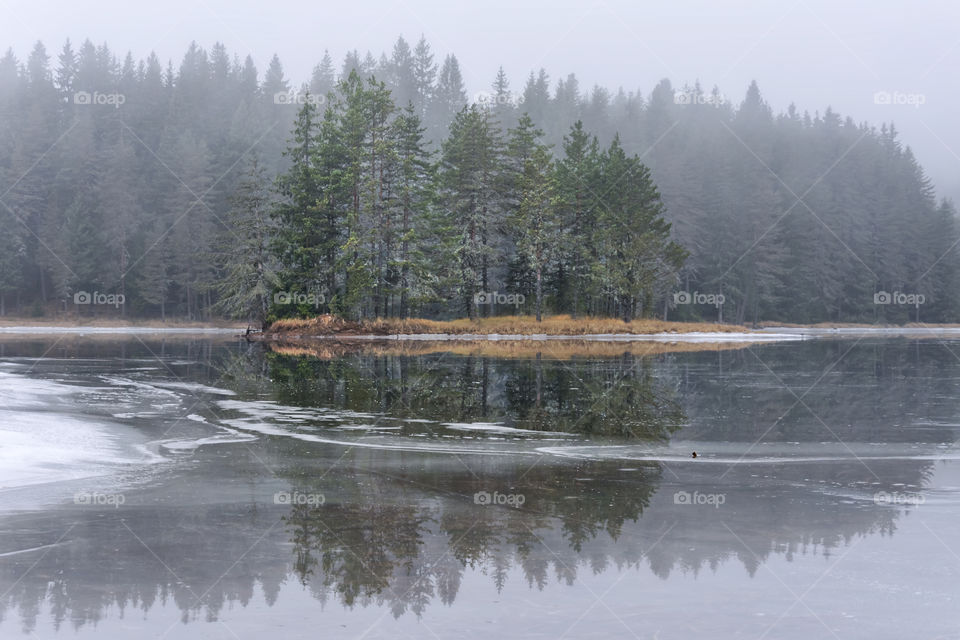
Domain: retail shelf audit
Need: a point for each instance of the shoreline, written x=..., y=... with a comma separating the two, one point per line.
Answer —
x=81, y=330
x=765, y=334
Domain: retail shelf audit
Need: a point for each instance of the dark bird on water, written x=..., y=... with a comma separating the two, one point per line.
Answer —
x=694, y=454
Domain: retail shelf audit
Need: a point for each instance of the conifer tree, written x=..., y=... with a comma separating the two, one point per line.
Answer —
x=247, y=274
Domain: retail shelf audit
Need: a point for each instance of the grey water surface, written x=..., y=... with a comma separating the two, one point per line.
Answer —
x=196, y=486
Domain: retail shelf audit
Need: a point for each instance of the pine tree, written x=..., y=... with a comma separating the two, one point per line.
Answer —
x=536, y=97
x=323, y=79
x=577, y=192
x=119, y=211
x=12, y=255
x=502, y=101
x=536, y=218
x=522, y=143
x=355, y=261
x=307, y=215
x=154, y=268
x=471, y=181
x=247, y=272
x=449, y=97
x=415, y=194
x=66, y=71
x=424, y=74
x=380, y=166
x=635, y=250
x=401, y=74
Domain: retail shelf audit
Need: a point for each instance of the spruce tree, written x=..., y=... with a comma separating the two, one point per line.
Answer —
x=247, y=273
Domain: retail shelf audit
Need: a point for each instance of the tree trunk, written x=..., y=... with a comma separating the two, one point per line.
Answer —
x=539, y=294
x=539, y=379
x=405, y=270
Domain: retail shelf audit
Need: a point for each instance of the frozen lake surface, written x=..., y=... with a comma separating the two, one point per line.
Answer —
x=192, y=485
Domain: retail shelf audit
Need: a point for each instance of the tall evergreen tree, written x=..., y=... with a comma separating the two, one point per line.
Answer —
x=536, y=219
x=471, y=180
x=449, y=97
x=307, y=225
x=419, y=245
x=248, y=275
x=577, y=176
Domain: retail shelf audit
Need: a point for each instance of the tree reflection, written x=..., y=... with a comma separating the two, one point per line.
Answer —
x=402, y=530
x=610, y=397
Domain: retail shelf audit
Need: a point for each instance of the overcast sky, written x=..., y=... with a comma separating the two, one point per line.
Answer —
x=813, y=53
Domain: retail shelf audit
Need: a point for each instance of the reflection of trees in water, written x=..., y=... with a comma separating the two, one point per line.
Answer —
x=616, y=396
x=877, y=391
x=892, y=390
x=407, y=555
x=405, y=539
x=582, y=518
x=101, y=569
x=361, y=552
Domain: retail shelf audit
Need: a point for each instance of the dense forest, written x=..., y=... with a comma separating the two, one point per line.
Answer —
x=381, y=188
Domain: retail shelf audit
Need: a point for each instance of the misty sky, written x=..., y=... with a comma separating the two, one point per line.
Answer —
x=814, y=53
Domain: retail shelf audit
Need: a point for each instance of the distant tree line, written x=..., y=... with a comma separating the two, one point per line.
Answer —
x=183, y=189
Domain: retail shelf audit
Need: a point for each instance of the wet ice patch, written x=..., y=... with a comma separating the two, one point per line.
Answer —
x=41, y=447
x=267, y=409
x=51, y=431
x=229, y=436
x=397, y=444
x=194, y=387
x=353, y=430
x=493, y=427
x=142, y=387
x=17, y=391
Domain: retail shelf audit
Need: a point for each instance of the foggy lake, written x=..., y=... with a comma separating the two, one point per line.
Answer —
x=197, y=486
x=517, y=320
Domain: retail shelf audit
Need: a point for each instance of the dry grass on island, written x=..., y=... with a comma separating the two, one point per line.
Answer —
x=504, y=349
x=559, y=325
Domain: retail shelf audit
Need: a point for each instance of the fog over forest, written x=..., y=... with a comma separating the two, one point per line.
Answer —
x=391, y=179
x=423, y=319
x=782, y=216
